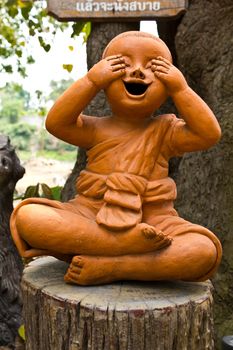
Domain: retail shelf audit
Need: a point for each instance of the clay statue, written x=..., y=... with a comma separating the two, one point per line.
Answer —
x=122, y=225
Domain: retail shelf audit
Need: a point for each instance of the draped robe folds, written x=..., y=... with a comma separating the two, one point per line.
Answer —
x=126, y=163
x=126, y=182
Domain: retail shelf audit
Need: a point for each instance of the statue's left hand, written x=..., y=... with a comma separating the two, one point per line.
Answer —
x=169, y=75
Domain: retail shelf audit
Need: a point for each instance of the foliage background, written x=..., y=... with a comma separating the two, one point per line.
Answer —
x=20, y=20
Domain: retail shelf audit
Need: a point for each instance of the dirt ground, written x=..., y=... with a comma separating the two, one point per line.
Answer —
x=49, y=171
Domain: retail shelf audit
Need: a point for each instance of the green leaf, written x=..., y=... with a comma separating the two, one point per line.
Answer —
x=46, y=191
x=13, y=11
x=56, y=192
x=22, y=3
x=77, y=28
x=71, y=48
x=41, y=40
x=19, y=53
x=7, y=68
x=22, y=70
x=25, y=8
x=86, y=31
x=47, y=47
x=32, y=191
x=68, y=67
x=32, y=31
x=30, y=60
x=39, y=93
x=11, y=2
x=42, y=111
x=21, y=332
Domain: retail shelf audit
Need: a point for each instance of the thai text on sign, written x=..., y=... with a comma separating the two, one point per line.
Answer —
x=117, y=6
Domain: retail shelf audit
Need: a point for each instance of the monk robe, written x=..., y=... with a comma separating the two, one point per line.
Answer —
x=126, y=182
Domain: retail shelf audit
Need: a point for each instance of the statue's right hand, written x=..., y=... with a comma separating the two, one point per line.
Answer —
x=107, y=70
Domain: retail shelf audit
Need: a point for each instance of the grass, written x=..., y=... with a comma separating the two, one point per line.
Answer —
x=64, y=156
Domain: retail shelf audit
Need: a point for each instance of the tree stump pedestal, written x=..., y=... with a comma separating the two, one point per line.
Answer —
x=118, y=316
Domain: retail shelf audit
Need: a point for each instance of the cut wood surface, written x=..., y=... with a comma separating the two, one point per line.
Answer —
x=118, y=316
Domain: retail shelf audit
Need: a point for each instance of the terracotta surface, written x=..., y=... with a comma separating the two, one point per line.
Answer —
x=123, y=224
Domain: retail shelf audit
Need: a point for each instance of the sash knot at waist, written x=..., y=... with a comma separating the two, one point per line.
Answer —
x=123, y=203
x=123, y=195
x=125, y=190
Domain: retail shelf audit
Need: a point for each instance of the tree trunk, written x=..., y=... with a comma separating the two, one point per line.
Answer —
x=167, y=32
x=100, y=36
x=136, y=316
x=205, y=182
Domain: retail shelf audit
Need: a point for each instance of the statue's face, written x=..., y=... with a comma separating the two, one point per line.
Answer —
x=139, y=89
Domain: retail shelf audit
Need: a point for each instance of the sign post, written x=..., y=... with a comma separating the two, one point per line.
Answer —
x=115, y=10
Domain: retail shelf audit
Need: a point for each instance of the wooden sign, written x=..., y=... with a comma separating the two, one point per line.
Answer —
x=103, y=10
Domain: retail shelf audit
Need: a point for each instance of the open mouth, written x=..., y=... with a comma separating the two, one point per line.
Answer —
x=136, y=89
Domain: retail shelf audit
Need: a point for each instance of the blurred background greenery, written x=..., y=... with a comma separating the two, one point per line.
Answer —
x=23, y=122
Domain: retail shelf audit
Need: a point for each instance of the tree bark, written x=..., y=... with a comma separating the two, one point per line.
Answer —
x=205, y=181
x=126, y=315
x=100, y=36
x=167, y=32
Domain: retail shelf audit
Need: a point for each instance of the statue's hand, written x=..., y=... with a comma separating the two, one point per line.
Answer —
x=107, y=70
x=169, y=75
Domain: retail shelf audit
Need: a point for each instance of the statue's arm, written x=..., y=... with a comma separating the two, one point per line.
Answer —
x=65, y=119
x=201, y=129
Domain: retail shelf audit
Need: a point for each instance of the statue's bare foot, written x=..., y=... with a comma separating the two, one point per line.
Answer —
x=160, y=240
x=89, y=270
x=141, y=239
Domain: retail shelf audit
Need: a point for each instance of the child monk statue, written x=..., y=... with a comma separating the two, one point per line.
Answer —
x=122, y=225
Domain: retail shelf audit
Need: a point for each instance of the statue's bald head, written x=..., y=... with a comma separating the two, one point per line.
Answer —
x=127, y=35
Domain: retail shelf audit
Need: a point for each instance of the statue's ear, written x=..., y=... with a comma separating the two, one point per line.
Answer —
x=4, y=142
x=19, y=170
